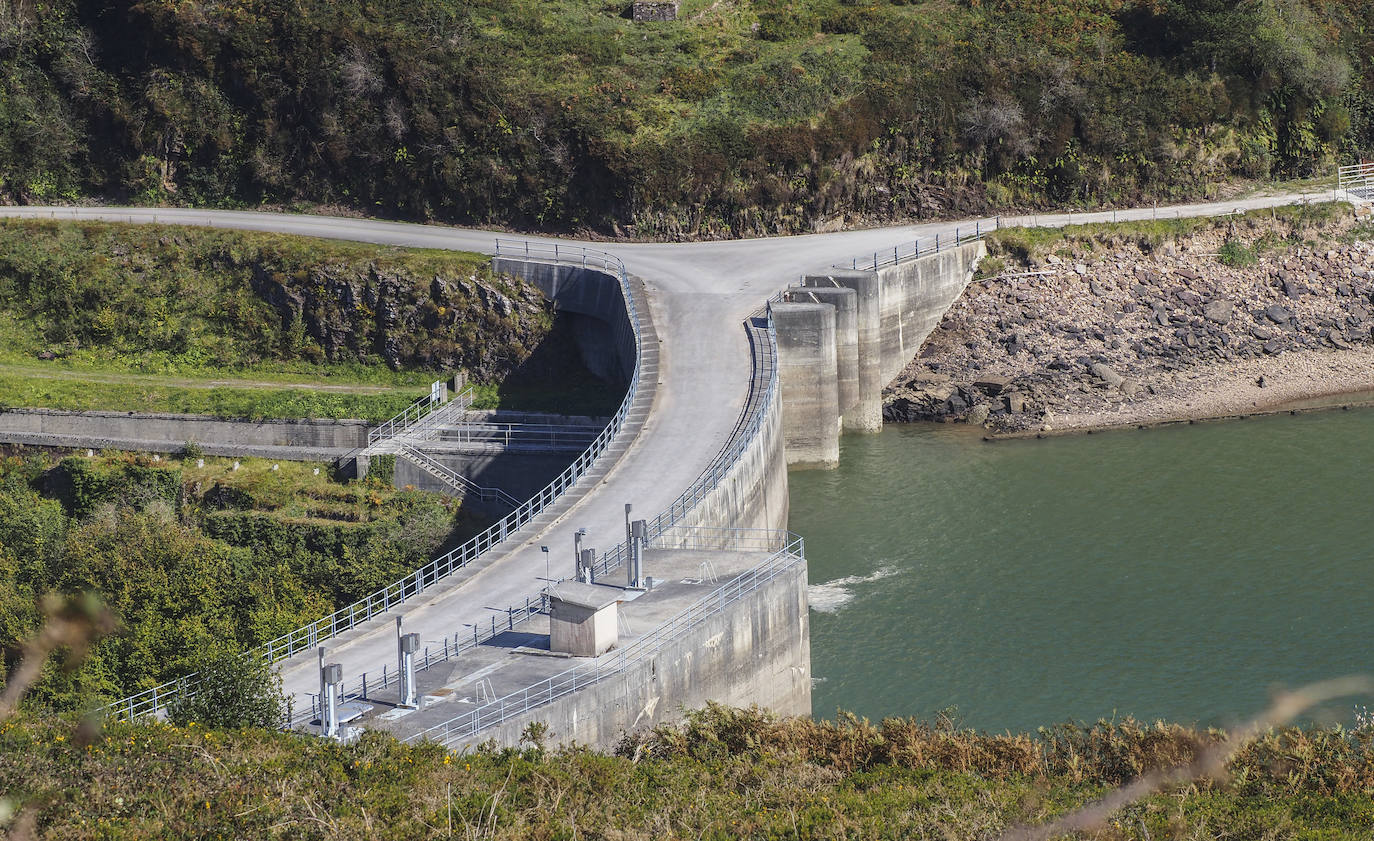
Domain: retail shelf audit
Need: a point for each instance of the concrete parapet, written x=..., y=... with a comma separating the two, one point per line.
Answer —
x=846, y=304
x=808, y=383
x=168, y=432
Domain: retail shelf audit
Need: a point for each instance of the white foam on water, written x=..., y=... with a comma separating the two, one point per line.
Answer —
x=833, y=595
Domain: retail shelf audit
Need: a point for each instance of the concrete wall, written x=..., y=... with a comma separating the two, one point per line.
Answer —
x=914, y=297
x=894, y=311
x=757, y=651
x=867, y=413
x=48, y=427
x=753, y=493
x=606, y=341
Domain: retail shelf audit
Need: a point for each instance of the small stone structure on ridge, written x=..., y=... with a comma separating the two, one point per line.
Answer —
x=653, y=10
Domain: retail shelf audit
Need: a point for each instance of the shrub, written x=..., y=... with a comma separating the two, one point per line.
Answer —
x=233, y=690
x=1237, y=255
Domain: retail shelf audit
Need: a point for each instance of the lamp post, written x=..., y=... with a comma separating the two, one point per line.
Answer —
x=577, y=550
x=547, y=577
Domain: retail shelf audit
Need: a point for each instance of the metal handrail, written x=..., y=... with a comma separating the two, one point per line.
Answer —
x=454, y=479
x=565, y=683
x=1355, y=177
x=416, y=412
x=312, y=634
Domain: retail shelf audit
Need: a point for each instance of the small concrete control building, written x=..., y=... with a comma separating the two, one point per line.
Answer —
x=583, y=618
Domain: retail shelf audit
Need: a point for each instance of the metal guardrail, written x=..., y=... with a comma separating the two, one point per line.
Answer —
x=311, y=635
x=469, y=724
x=922, y=246
x=519, y=437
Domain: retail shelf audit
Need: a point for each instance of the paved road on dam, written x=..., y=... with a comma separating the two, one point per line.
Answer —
x=698, y=295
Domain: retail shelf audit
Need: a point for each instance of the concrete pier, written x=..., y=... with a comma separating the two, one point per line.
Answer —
x=808, y=383
x=867, y=414
x=845, y=303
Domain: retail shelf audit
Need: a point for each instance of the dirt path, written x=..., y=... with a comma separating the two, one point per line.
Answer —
x=55, y=373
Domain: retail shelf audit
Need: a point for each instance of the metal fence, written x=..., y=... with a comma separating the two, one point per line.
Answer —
x=473, y=722
x=314, y=633
x=1357, y=179
x=517, y=437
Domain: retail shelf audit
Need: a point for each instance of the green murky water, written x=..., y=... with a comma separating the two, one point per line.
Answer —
x=1178, y=573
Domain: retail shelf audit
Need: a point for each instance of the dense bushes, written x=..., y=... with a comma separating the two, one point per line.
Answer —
x=1318, y=761
x=154, y=780
x=196, y=559
x=746, y=117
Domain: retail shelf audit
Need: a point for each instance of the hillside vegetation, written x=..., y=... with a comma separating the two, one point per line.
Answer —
x=727, y=775
x=96, y=315
x=196, y=559
x=742, y=117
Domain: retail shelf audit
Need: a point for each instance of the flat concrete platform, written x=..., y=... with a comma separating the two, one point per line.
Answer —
x=520, y=657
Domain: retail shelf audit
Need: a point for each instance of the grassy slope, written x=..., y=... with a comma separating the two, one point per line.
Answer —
x=157, y=316
x=731, y=777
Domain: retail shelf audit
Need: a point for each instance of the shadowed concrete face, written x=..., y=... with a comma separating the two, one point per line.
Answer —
x=915, y=296
x=846, y=305
x=808, y=384
x=866, y=413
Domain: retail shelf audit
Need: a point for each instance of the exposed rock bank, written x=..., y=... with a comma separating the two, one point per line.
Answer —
x=1131, y=336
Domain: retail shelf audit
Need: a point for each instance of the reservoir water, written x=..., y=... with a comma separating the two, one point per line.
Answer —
x=1178, y=573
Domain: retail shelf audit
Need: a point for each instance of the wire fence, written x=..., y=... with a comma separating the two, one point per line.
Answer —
x=314, y=633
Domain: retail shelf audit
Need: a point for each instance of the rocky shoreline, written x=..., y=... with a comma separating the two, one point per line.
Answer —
x=1235, y=320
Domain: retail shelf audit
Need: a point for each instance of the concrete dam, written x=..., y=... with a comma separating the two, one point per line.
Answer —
x=655, y=572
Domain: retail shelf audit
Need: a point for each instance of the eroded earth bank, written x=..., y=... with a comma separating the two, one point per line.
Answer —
x=1110, y=325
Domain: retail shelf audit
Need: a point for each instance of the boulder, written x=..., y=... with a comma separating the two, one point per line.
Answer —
x=1218, y=311
x=1105, y=373
x=978, y=415
x=1278, y=314
x=992, y=385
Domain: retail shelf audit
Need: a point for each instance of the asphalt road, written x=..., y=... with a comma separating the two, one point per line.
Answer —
x=699, y=295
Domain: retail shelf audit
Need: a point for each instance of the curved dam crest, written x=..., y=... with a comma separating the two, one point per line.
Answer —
x=716, y=427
